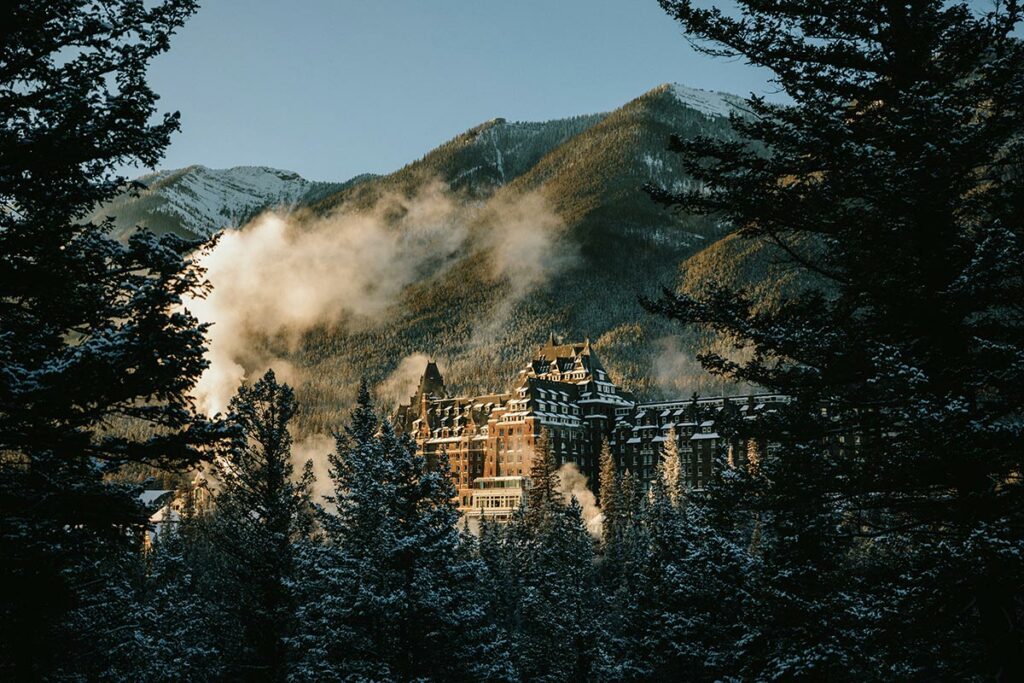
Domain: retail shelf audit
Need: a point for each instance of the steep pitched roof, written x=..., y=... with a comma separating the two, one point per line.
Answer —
x=431, y=382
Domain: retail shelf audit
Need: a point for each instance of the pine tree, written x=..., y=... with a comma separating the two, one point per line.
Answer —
x=694, y=592
x=93, y=336
x=397, y=597
x=488, y=584
x=670, y=468
x=102, y=629
x=623, y=572
x=608, y=489
x=260, y=513
x=630, y=498
x=557, y=638
x=503, y=549
x=543, y=495
x=175, y=615
x=893, y=184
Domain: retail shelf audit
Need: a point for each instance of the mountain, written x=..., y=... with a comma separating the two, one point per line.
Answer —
x=590, y=170
x=610, y=243
x=476, y=162
x=197, y=201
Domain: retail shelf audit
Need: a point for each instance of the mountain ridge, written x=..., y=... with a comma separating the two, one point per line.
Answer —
x=197, y=201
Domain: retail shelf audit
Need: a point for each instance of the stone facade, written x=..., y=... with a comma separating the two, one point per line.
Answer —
x=566, y=391
x=563, y=390
x=640, y=437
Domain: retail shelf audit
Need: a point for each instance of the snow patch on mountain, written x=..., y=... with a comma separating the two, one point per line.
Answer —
x=206, y=200
x=707, y=102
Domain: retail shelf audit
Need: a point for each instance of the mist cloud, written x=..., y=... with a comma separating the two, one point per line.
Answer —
x=402, y=382
x=676, y=369
x=315, y=448
x=280, y=276
x=572, y=483
x=527, y=247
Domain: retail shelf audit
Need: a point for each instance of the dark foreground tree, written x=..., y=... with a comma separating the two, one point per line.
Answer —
x=393, y=595
x=894, y=184
x=180, y=628
x=541, y=582
x=91, y=332
x=261, y=513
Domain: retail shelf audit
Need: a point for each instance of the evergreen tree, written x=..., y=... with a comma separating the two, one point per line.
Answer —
x=692, y=598
x=93, y=337
x=102, y=629
x=395, y=595
x=630, y=498
x=260, y=513
x=543, y=495
x=560, y=638
x=503, y=549
x=894, y=185
x=608, y=489
x=486, y=585
x=670, y=468
x=177, y=621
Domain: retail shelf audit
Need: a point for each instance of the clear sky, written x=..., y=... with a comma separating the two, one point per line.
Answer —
x=334, y=88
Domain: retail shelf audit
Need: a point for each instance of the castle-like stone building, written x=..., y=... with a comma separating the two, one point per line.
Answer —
x=565, y=391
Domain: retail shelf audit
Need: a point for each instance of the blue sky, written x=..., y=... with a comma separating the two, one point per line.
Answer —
x=333, y=88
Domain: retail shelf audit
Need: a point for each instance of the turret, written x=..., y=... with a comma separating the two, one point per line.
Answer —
x=431, y=382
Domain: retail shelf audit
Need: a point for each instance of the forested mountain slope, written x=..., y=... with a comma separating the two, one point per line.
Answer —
x=616, y=245
x=558, y=237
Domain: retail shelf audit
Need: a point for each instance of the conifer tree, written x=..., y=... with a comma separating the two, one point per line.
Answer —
x=558, y=637
x=102, y=629
x=607, y=472
x=893, y=184
x=177, y=622
x=93, y=337
x=691, y=599
x=394, y=596
x=543, y=495
x=608, y=489
x=624, y=622
x=505, y=552
x=670, y=468
x=261, y=511
x=630, y=497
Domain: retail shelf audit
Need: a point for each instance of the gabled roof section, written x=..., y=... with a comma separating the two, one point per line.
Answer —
x=556, y=357
x=431, y=382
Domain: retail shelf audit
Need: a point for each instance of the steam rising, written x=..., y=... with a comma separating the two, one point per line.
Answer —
x=676, y=370
x=401, y=383
x=573, y=483
x=315, y=448
x=526, y=249
x=281, y=277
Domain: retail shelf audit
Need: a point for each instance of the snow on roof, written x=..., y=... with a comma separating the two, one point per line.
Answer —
x=700, y=437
